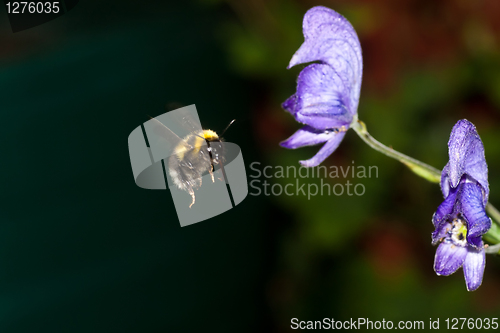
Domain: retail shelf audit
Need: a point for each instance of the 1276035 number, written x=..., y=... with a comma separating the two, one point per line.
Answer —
x=49, y=7
x=471, y=323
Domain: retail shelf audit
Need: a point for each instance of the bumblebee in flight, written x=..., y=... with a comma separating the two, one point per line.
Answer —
x=193, y=156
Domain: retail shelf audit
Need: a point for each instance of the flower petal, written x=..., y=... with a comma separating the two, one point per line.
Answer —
x=445, y=179
x=473, y=210
x=307, y=136
x=325, y=151
x=445, y=209
x=318, y=101
x=449, y=258
x=467, y=156
x=330, y=38
x=289, y=104
x=474, y=268
x=441, y=232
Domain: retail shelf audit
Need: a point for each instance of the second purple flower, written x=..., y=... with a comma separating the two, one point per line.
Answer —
x=461, y=219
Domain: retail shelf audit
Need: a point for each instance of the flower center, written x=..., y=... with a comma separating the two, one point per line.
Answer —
x=459, y=232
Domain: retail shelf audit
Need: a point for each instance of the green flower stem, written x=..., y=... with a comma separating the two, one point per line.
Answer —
x=425, y=171
x=493, y=235
x=494, y=213
x=494, y=249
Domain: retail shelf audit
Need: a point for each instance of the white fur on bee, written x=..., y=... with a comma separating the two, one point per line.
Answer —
x=174, y=175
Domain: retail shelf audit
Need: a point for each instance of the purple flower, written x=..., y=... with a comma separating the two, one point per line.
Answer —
x=461, y=220
x=327, y=94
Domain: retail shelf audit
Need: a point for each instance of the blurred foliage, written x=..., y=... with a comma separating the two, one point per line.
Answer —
x=427, y=64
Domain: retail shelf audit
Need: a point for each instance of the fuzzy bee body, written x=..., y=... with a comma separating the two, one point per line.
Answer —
x=192, y=158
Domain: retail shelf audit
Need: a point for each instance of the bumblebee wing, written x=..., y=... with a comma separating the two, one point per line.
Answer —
x=189, y=122
x=173, y=139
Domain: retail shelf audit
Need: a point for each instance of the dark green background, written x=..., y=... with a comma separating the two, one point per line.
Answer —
x=83, y=249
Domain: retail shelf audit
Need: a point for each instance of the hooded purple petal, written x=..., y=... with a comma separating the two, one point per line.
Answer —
x=317, y=102
x=327, y=92
x=466, y=158
x=331, y=39
x=474, y=268
x=449, y=258
x=307, y=136
x=325, y=151
x=473, y=210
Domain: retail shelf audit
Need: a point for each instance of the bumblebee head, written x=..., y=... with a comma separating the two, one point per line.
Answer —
x=210, y=135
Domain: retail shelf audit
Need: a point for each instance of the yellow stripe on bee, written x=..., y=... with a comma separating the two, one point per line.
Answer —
x=179, y=151
x=208, y=135
x=197, y=145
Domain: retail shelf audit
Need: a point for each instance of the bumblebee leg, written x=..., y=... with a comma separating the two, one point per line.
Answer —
x=211, y=171
x=192, y=196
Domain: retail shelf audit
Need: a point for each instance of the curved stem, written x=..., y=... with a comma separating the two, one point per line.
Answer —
x=423, y=170
x=494, y=249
